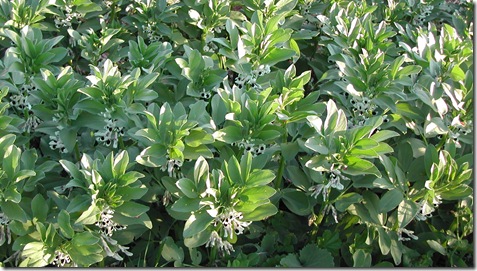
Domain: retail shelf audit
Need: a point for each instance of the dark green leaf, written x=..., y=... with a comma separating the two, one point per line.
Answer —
x=291, y=260
x=261, y=212
x=345, y=200
x=297, y=201
x=14, y=211
x=361, y=258
x=65, y=224
x=313, y=256
x=132, y=209
x=186, y=205
x=197, y=223
x=358, y=166
x=39, y=208
x=170, y=251
x=188, y=187
x=407, y=210
x=390, y=200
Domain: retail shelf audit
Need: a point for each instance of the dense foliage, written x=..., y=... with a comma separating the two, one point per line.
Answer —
x=271, y=133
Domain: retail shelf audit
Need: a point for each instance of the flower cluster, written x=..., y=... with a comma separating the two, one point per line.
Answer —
x=19, y=102
x=111, y=133
x=408, y=232
x=4, y=229
x=205, y=94
x=311, y=18
x=31, y=122
x=425, y=210
x=334, y=181
x=106, y=225
x=362, y=108
x=251, y=79
x=173, y=167
x=458, y=128
x=61, y=259
x=424, y=12
x=249, y=146
x=334, y=213
x=231, y=222
x=150, y=29
x=211, y=47
x=56, y=143
x=4, y=220
x=69, y=16
x=451, y=6
x=223, y=246
x=106, y=241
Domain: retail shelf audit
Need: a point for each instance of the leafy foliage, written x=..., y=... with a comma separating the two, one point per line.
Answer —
x=278, y=133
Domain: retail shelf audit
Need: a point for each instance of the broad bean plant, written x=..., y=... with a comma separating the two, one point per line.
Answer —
x=253, y=133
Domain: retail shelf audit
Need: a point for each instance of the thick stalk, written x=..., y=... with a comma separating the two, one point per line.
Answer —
x=281, y=167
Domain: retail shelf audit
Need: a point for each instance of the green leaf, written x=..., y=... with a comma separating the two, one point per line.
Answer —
x=11, y=194
x=430, y=156
x=170, y=251
x=408, y=70
x=188, y=187
x=78, y=203
x=291, y=260
x=198, y=137
x=365, y=143
x=232, y=169
x=276, y=55
x=396, y=249
x=71, y=169
x=195, y=153
x=457, y=74
x=297, y=177
x=198, y=240
x=261, y=212
x=39, y=208
x=297, y=201
x=316, y=144
x=201, y=171
x=14, y=211
x=65, y=224
x=390, y=200
x=197, y=223
x=383, y=135
x=316, y=123
x=132, y=209
x=457, y=193
x=357, y=166
x=88, y=217
x=437, y=247
x=361, y=258
x=34, y=252
x=142, y=219
x=313, y=256
x=84, y=239
x=384, y=241
x=229, y=134
x=345, y=200
x=260, y=177
x=254, y=194
x=11, y=160
x=186, y=205
x=120, y=163
x=407, y=210
x=129, y=178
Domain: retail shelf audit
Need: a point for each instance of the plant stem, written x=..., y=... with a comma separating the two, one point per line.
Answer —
x=213, y=254
x=281, y=167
